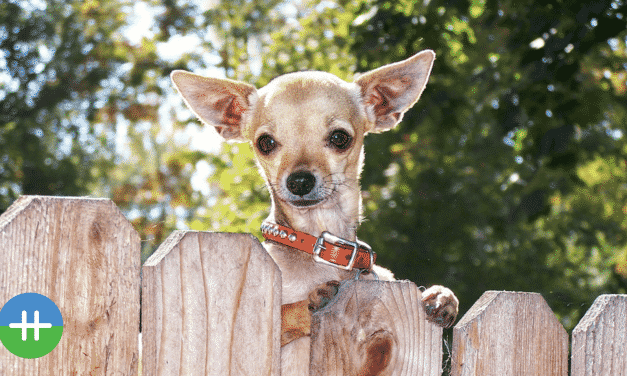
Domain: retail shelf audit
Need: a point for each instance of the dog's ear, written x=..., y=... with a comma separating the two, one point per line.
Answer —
x=390, y=90
x=222, y=103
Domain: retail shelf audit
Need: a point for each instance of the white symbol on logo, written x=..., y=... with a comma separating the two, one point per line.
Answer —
x=24, y=325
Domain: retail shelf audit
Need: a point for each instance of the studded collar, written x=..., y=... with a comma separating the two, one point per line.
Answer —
x=326, y=249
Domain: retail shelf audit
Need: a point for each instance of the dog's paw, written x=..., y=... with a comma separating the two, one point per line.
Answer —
x=322, y=295
x=441, y=305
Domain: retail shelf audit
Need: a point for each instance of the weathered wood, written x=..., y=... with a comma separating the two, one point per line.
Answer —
x=211, y=305
x=83, y=255
x=599, y=345
x=375, y=328
x=509, y=333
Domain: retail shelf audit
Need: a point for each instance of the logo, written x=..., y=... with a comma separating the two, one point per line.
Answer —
x=30, y=325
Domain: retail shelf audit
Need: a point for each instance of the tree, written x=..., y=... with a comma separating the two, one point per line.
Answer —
x=510, y=171
x=55, y=55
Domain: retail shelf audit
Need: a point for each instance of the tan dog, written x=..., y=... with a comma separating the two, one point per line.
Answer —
x=307, y=131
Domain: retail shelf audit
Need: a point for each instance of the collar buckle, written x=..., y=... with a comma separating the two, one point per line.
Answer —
x=325, y=236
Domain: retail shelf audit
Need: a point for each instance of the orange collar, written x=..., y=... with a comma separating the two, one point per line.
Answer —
x=326, y=249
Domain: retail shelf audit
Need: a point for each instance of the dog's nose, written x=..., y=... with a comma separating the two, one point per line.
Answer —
x=300, y=183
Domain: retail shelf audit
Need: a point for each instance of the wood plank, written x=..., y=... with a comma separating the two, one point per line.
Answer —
x=509, y=333
x=211, y=306
x=375, y=328
x=599, y=344
x=83, y=255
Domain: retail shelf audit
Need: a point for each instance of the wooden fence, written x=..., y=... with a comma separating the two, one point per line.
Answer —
x=211, y=306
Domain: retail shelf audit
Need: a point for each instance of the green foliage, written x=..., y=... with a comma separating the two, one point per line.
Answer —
x=243, y=197
x=509, y=173
x=54, y=55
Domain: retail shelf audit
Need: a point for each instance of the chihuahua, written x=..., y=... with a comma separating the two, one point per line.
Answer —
x=307, y=130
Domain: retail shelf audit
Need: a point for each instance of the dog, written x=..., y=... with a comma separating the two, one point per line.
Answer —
x=307, y=131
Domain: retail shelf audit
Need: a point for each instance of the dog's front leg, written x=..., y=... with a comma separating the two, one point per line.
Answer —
x=296, y=317
x=295, y=321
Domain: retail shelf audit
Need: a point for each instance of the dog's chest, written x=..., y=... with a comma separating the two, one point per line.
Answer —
x=300, y=273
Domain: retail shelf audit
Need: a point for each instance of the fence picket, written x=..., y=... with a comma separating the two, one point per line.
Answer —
x=509, y=333
x=375, y=328
x=599, y=344
x=83, y=255
x=211, y=306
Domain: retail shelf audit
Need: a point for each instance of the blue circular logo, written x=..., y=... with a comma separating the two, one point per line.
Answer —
x=30, y=325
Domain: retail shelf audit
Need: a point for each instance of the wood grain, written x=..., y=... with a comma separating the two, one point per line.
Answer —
x=509, y=333
x=375, y=328
x=211, y=306
x=600, y=339
x=83, y=255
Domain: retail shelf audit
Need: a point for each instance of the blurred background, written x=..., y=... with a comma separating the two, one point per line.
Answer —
x=510, y=173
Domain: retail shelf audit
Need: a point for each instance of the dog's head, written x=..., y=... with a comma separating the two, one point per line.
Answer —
x=307, y=128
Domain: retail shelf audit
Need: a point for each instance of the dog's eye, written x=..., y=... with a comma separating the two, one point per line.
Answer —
x=340, y=139
x=265, y=144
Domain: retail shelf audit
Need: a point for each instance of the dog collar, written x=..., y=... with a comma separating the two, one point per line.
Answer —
x=326, y=249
